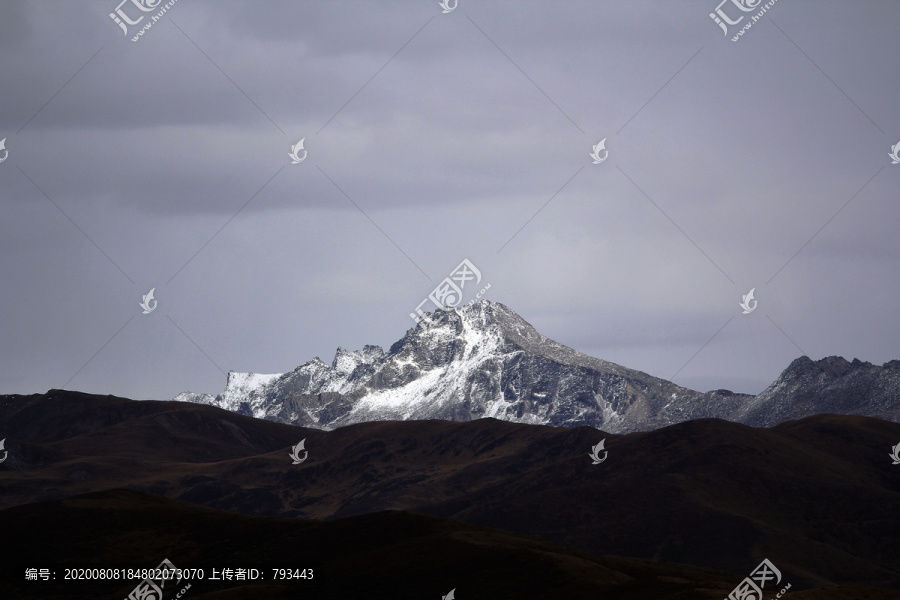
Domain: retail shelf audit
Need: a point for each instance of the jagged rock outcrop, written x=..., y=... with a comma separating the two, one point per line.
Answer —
x=830, y=385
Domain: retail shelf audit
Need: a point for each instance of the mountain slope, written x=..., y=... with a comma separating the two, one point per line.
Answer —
x=389, y=554
x=484, y=360
x=818, y=497
x=830, y=385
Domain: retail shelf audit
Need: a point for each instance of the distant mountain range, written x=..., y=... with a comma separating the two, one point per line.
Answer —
x=484, y=360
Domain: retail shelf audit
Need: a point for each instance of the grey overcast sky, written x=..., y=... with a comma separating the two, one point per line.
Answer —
x=433, y=137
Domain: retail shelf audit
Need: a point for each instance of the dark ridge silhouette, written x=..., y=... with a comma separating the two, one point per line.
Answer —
x=390, y=554
x=818, y=497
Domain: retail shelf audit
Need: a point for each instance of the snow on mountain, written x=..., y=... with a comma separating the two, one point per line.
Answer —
x=484, y=360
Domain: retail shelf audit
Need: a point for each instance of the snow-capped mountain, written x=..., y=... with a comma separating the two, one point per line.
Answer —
x=484, y=360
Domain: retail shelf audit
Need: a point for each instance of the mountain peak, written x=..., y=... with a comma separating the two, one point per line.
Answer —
x=480, y=316
x=832, y=366
x=484, y=360
x=829, y=385
x=346, y=361
x=461, y=363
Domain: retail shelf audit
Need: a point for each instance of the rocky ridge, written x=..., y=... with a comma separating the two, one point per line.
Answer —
x=484, y=360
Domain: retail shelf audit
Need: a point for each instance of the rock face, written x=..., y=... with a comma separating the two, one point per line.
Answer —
x=830, y=385
x=484, y=360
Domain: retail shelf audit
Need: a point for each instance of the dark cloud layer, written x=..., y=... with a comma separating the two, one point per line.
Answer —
x=431, y=138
